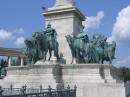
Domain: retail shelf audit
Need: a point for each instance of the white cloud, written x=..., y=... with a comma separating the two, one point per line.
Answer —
x=5, y=35
x=19, y=31
x=19, y=42
x=124, y=62
x=93, y=21
x=121, y=29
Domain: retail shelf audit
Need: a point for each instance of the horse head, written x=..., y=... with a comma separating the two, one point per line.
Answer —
x=113, y=44
x=29, y=42
x=69, y=39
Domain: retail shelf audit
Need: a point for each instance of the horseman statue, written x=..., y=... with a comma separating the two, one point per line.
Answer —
x=83, y=49
x=95, y=50
x=40, y=44
x=76, y=44
x=52, y=40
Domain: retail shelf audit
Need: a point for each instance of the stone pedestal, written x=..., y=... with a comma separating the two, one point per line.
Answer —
x=82, y=72
x=102, y=90
x=92, y=80
x=127, y=89
x=107, y=74
x=32, y=76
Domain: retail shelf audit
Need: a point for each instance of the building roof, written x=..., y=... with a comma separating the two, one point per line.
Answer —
x=11, y=52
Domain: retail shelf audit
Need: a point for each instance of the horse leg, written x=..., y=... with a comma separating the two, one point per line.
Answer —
x=45, y=55
x=50, y=54
x=110, y=59
x=56, y=53
x=77, y=58
x=98, y=60
x=29, y=60
x=72, y=60
x=102, y=61
x=32, y=61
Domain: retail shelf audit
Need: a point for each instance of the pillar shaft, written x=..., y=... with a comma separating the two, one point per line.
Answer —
x=9, y=61
x=22, y=61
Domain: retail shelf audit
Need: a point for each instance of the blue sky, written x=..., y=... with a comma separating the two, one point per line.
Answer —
x=19, y=18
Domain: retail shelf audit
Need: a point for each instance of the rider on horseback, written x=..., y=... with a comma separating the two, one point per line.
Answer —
x=82, y=35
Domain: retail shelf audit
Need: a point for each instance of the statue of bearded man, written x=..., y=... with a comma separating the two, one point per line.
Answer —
x=52, y=39
x=50, y=31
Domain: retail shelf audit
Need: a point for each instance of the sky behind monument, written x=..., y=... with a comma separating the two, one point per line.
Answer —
x=20, y=18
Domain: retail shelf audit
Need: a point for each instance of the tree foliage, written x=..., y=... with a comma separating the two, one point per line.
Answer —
x=16, y=62
x=124, y=74
x=3, y=64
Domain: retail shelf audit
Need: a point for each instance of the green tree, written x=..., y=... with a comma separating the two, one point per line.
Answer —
x=124, y=74
x=3, y=64
x=16, y=62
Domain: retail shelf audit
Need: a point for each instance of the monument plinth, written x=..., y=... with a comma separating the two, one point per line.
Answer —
x=89, y=78
x=66, y=19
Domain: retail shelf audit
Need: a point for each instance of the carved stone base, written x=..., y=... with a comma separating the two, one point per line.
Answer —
x=107, y=74
x=92, y=80
x=32, y=76
x=41, y=62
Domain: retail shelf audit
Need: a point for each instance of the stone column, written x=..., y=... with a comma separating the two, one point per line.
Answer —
x=9, y=61
x=22, y=61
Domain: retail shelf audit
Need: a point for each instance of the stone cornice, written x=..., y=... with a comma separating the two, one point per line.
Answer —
x=65, y=10
x=11, y=52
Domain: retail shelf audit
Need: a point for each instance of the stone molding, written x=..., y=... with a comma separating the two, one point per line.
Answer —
x=76, y=69
x=11, y=52
x=59, y=3
x=64, y=11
